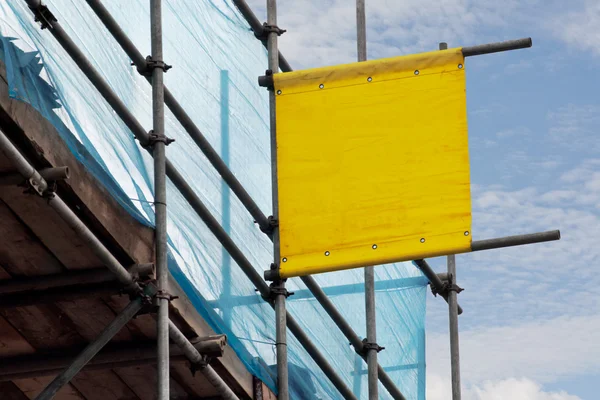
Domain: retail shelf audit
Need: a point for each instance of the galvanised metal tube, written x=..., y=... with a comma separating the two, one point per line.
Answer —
x=371, y=316
x=196, y=358
x=22, y=165
x=453, y=325
x=516, y=240
x=220, y=386
x=55, y=174
x=90, y=351
x=184, y=119
x=258, y=29
x=92, y=241
x=184, y=344
x=160, y=199
x=34, y=3
x=66, y=214
x=361, y=30
x=278, y=286
x=281, y=344
x=497, y=47
x=434, y=280
x=49, y=174
x=370, y=308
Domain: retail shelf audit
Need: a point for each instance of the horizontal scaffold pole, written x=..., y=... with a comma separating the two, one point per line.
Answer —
x=497, y=47
x=516, y=240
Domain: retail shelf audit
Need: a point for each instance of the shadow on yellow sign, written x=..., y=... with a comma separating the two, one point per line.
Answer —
x=373, y=163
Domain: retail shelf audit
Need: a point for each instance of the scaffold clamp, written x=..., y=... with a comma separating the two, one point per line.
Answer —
x=163, y=294
x=266, y=29
x=154, y=138
x=199, y=366
x=266, y=80
x=276, y=290
x=371, y=346
x=43, y=15
x=272, y=223
x=447, y=287
x=152, y=64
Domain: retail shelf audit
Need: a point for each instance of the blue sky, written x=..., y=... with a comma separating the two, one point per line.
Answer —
x=529, y=331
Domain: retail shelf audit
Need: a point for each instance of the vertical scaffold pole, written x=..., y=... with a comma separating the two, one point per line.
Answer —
x=159, y=142
x=453, y=289
x=453, y=321
x=361, y=30
x=278, y=286
x=371, y=316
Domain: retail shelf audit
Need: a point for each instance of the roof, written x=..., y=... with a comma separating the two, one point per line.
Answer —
x=41, y=328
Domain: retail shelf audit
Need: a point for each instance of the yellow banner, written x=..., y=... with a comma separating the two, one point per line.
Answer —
x=372, y=163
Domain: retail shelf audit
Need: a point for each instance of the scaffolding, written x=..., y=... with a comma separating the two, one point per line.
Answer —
x=155, y=296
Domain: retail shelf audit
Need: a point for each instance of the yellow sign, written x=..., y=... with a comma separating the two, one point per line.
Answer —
x=372, y=163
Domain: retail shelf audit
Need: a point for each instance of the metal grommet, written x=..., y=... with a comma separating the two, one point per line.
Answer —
x=466, y=233
x=284, y=259
x=416, y=72
x=321, y=86
x=369, y=79
x=327, y=253
x=422, y=240
x=374, y=247
x=279, y=92
x=460, y=66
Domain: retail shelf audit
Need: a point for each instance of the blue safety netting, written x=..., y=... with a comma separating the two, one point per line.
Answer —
x=216, y=62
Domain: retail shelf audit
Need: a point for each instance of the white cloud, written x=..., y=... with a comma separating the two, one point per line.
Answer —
x=579, y=28
x=513, y=389
x=534, y=274
x=543, y=350
x=581, y=172
x=323, y=32
x=530, y=313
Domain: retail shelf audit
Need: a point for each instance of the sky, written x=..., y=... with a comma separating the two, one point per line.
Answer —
x=529, y=329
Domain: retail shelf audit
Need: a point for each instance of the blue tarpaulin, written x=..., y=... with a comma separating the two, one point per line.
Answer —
x=216, y=61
